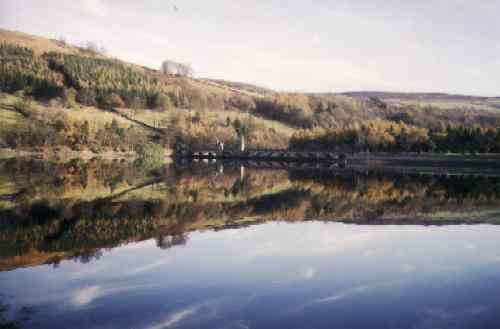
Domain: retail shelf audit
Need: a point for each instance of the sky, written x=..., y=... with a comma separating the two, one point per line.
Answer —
x=315, y=46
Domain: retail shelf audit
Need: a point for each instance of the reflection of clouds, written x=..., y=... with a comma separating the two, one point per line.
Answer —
x=336, y=297
x=308, y=273
x=240, y=324
x=432, y=318
x=470, y=246
x=313, y=259
x=231, y=234
x=150, y=267
x=176, y=317
x=107, y=269
x=87, y=272
x=85, y=296
x=407, y=268
x=203, y=310
x=104, y=269
x=80, y=297
x=313, y=239
x=345, y=294
x=368, y=253
x=342, y=295
x=141, y=245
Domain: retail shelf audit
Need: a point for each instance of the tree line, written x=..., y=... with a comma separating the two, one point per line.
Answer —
x=387, y=136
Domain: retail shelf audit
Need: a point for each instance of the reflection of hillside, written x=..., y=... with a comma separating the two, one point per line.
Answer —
x=208, y=184
x=31, y=181
x=399, y=198
x=57, y=217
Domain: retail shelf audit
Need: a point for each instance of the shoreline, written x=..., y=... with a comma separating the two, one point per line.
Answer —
x=412, y=161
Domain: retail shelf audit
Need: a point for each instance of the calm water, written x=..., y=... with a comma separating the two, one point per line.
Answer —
x=123, y=245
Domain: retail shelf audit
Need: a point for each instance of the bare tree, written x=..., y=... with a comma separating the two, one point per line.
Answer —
x=92, y=47
x=62, y=40
x=174, y=68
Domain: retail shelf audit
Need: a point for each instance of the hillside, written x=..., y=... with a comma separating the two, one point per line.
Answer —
x=40, y=45
x=50, y=87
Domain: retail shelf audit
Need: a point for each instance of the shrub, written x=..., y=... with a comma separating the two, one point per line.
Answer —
x=86, y=97
x=23, y=106
x=151, y=156
x=111, y=100
x=161, y=102
x=69, y=98
x=47, y=90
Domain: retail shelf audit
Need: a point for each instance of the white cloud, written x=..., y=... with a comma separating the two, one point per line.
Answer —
x=156, y=39
x=95, y=8
x=388, y=48
x=316, y=39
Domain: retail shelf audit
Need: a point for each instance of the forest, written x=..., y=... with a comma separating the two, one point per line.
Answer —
x=387, y=136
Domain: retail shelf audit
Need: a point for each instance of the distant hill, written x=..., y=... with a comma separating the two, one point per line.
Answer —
x=415, y=96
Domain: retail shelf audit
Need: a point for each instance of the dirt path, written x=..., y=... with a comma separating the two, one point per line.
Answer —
x=140, y=123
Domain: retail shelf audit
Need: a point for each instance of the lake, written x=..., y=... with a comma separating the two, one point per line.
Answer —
x=122, y=244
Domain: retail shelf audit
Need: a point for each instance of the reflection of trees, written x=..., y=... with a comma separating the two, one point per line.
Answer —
x=168, y=241
x=241, y=186
x=86, y=256
x=190, y=198
x=24, y=314
x=373, y=196
x=43, y=180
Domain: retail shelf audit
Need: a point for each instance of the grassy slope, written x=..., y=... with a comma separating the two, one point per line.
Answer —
x=41, y=45
x=99, y=118
x=38, y=44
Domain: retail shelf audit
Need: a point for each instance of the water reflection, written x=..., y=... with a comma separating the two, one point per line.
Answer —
x=205, y=246
x=51, y=211
x=296, y=275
